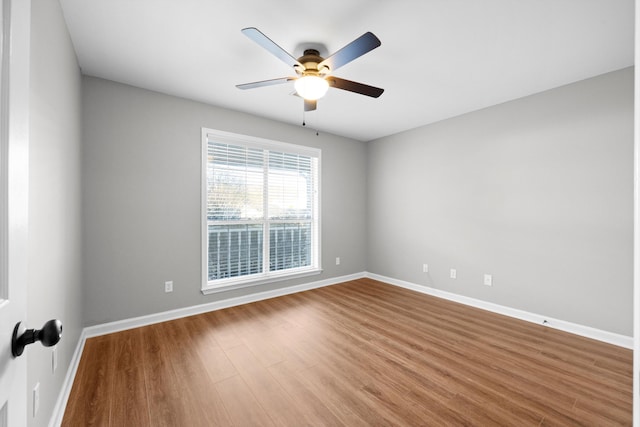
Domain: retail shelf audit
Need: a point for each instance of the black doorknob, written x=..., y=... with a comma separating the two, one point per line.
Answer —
x=49, y=335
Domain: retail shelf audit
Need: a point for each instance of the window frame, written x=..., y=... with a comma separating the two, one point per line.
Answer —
x=222, y=285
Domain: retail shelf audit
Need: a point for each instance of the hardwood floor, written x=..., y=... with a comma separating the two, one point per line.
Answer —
x=356, y=354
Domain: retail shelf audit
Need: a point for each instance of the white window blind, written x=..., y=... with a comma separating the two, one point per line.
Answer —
x=261, y=210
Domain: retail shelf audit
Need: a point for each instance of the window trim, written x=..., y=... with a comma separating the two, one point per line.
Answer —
x=224, y=285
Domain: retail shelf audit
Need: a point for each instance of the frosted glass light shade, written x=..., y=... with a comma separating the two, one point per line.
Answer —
x=311, y=87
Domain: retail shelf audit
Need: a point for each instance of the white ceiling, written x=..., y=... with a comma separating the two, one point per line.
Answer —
x=438, y=59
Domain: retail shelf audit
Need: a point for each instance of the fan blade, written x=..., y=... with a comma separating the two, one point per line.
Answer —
x=264, y=41
x=363, y=44
x=266, y=83
x=310, y=105
x=356, y=87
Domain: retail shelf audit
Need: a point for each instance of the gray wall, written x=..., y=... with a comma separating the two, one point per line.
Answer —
x=54, y=287
x=141, y=198
x=537, y=192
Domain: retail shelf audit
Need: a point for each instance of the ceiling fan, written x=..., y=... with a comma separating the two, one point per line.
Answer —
x=313, y=71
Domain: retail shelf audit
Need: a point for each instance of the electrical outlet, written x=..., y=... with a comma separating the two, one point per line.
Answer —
x=488, y=280
x=425, y=268
x=54, y=360
x=453, y=273
x=337, y=260
x=168, y=286
x=36, y=399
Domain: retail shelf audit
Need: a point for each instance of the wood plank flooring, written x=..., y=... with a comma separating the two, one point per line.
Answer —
x=360, y=353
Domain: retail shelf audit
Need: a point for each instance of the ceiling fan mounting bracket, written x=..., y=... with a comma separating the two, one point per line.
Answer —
x=311, y=52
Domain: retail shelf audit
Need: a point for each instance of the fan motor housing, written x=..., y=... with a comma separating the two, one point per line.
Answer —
x=310, y=60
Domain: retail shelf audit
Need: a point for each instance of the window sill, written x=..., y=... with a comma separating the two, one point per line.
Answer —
x=233, y=284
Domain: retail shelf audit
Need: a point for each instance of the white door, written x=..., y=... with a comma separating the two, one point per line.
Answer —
x=14, y=167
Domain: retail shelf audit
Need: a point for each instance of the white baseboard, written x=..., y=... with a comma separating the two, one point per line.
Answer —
x=121, y=325
x=63, y=397
x=585, y=331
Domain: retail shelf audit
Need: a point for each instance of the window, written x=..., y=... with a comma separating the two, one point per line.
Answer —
x=260, y=203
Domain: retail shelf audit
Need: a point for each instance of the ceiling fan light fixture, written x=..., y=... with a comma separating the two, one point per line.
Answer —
x=311, y=87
